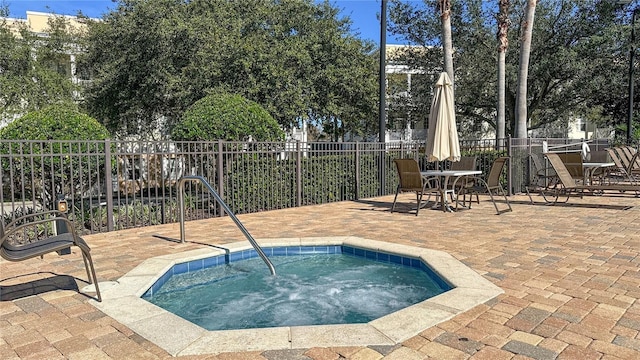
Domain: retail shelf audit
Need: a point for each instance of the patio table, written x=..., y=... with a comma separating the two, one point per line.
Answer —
x=446, y=186
x=589, y=169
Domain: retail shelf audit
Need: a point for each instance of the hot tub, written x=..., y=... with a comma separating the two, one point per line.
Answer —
x=123, y=302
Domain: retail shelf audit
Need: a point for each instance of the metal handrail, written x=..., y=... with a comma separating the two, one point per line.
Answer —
x=226, y=208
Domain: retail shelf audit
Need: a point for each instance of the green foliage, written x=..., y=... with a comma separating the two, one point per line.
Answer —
x=273, y=187
x=41, y=162
x=324, y=179
x=578, y=60
x=222, y=116
x=134, y=214
x=152, y=59
x=56, y=122
x=29, y=231
x=35, y=70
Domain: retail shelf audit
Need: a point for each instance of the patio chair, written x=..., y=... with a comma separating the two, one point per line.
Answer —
x=622, y=171
x=626, y=152
x=19, y=240
x=491, y=186
x=412, y=181
x=568, y=185
x=542, y=177
x=465, y=163
x=600, y=156
x=573, y=162
x=629, y=157
x=461, y=187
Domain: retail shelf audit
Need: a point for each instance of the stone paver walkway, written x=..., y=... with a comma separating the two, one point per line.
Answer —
x=571, y=276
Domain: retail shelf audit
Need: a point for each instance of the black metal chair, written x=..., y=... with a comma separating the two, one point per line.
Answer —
x=19, y=240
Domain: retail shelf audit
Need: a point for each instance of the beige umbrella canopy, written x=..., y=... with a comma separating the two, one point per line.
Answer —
x=442, y=137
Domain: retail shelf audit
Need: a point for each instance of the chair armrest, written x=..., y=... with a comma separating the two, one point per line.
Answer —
x=432, y=181
x=21, y=223
x=634, y=164
x=477, y=182
x=547, y=172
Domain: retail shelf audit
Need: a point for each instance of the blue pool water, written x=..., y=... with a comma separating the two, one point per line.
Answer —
x=309, y=289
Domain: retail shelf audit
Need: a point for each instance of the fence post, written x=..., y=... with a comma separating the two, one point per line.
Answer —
x=527, y=175
x=381, y=168
x=298, y=174
x=509, y=168
x=357, y=175
x=108, y=184
x=220, y=164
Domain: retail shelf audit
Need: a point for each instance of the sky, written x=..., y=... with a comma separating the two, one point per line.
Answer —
x=363, y=13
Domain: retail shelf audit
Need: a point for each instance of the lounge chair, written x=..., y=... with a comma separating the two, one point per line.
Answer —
x=491, y=185
x=629, y=157
x=19, y=240
x=573, y=163
x=568, y=185
x=622, y=170
x=412, y=181
x=600, y=156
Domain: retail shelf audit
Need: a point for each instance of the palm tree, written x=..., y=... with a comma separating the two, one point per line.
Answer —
x=523, y=73
x=447, y=42
x=503, y=44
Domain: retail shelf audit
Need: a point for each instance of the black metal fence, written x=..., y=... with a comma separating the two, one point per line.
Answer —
x=111, y=185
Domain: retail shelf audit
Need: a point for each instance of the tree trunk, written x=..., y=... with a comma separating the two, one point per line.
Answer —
x=447, y=42
x=503, y=44
x=523, y=73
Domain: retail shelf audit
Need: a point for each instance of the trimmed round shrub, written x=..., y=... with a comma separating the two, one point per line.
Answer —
x=223, y=116
x=55, y=122
x=50, y=152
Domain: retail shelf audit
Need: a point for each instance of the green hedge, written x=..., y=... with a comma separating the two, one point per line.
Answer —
x=55, y=122
x=324, y=179
x=222, y=116
x=52, y=167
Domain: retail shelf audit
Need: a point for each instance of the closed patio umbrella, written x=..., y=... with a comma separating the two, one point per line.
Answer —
x=442, y=136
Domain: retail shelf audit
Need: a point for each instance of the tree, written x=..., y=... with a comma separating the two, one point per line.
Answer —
x=447, y=41
x=222, y=116
x=33, y=71
x=344, y=95
x=274, y=53
x=577, y=62
x=523, y=72
x=136, y=54
x=503, y=44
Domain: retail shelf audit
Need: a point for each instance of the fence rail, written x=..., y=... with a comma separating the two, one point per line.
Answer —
x=111, y=185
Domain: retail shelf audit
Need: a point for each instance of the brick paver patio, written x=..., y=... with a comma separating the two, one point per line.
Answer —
x=571, y=276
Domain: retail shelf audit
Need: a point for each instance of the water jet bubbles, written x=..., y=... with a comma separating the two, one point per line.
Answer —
x=333, y=291
x=310, y=290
